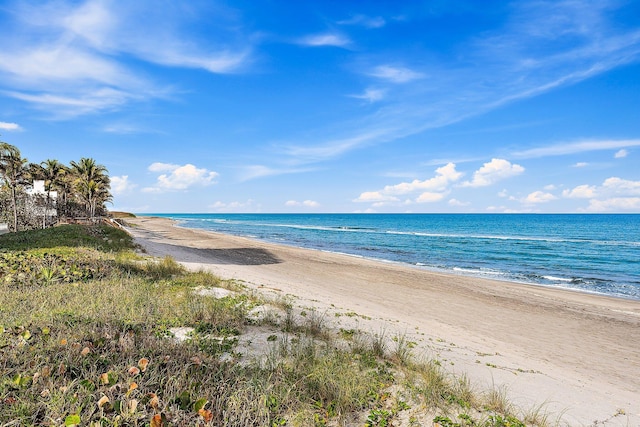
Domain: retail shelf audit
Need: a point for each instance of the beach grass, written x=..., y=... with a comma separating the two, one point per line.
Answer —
x=118, y=214
x=87, y=337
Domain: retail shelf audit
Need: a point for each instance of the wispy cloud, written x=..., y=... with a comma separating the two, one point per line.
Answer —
x=310, y=154
x=10, y=126
x=364, y=21
x=127, y=129
x=395, y=74
x=260, y=171
x=74, y=103
x=621, y=154
x=71, y=59
x=576, y=147
x=326, y=39
x=371, y=95
x=158, y=38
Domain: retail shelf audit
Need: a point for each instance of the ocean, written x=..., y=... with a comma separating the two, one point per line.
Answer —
x=597, y=253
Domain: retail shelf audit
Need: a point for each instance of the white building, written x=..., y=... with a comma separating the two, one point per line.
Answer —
x=38, y=202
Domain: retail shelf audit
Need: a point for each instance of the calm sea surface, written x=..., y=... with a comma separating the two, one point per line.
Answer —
x=592, y=253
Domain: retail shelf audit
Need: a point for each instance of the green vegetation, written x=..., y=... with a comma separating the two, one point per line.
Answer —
x=116, y=214
x=100, y=237
x=87, y=338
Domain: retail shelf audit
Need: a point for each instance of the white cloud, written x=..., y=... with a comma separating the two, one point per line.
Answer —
x=328, y=39
x=180, y=177
x=492, y=172
x=621, y=154
x=615, y=194
x=121, y=185
x=580, y=192
x=433, y=189
x=395, y=74
x=365, y=21
x=615, y=185
x=581, y=165
x=539, y=197
x=306, y=203
x=430, y=197
x=9, y=126
x=371, y=95
x=445, y=175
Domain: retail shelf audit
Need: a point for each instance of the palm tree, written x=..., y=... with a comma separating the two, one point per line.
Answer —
x=13, y=173
x=94, y=192
x=92, y=184
x=52, y=172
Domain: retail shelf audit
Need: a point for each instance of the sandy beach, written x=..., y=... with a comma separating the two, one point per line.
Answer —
x=575, y=353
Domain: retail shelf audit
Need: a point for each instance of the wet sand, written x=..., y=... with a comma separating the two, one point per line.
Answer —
x=576, y=353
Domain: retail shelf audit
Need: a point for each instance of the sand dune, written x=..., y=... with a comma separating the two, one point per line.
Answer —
x=577, y=353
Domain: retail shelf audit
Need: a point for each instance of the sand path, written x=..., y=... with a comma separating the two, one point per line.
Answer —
x=577, y=353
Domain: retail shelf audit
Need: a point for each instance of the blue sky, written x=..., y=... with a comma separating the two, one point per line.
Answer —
x=332, y=106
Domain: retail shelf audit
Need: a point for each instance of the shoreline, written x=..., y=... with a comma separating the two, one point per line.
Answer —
x=401, y=264
x=522, y=269
x=409, y=265
x=573, y=351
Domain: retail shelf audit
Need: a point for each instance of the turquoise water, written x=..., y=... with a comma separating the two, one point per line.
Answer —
x=592, y=253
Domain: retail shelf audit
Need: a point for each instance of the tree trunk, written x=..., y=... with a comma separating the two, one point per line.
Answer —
x=15, y=208
x=46, y=209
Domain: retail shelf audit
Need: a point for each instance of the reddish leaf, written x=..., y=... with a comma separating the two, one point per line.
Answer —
x=143, y=363
x=156, y=421
x=206, y=414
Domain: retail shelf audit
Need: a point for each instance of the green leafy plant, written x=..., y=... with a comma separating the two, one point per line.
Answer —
x=379, y=418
